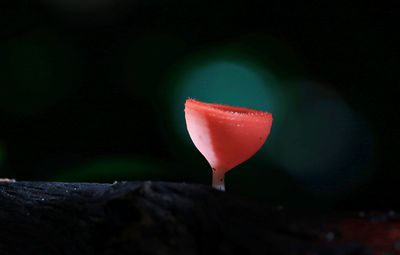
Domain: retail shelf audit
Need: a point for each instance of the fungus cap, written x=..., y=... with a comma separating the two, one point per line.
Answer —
x=226, y=135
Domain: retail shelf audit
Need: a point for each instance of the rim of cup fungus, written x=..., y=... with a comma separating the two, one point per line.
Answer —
x=226, y=110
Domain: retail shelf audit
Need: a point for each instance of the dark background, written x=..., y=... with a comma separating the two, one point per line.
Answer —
x=87, y=88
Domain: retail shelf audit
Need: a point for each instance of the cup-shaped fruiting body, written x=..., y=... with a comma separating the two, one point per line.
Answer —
x=226, y=135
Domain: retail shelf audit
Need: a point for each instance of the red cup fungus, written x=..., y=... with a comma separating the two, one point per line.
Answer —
x=226, y=135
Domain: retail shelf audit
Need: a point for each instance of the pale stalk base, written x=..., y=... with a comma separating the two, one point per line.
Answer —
x=218, y=180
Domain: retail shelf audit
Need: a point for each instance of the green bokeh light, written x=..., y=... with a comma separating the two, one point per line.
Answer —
x=230, y=83
x=324, y=144
x=225, y=81
x=116, y=169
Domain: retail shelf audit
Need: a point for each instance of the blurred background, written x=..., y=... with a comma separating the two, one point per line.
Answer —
x=94, y=90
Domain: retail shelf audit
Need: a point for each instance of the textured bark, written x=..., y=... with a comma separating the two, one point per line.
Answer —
x=155, y=218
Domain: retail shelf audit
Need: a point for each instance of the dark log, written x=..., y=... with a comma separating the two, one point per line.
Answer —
x=156, y=218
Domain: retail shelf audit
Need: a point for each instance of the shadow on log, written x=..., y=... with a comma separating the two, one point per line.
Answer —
x=154, y=218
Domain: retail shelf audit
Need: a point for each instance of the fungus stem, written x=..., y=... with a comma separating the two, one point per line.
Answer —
x=218, y=180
